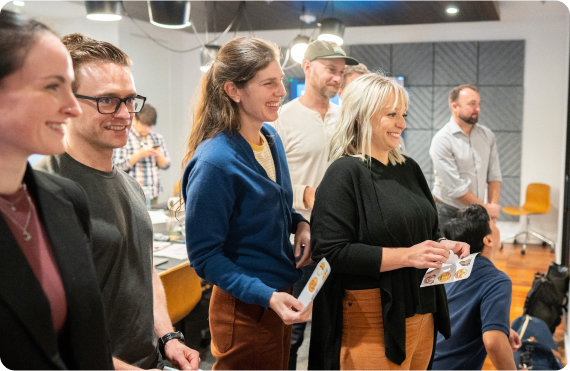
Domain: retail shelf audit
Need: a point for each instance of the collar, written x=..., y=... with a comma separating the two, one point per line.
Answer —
x=454, y=127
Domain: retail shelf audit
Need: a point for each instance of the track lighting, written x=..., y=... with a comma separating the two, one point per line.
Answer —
x=298, y=48
x=169, y=14
x=332, y=29
x=103, y=10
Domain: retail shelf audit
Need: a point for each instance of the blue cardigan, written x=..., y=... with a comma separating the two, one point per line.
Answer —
x=239, y=221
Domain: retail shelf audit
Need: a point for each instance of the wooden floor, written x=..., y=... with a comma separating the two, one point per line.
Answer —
x=521, y=270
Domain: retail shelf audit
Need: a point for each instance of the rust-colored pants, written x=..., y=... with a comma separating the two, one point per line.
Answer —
x=247, y=336
x=362, y=346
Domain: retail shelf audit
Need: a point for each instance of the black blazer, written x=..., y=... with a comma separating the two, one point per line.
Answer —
x=27, y=337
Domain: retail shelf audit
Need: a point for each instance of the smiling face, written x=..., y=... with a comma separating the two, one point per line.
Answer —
x=325, y=76
x=36, y=100
x=141, y=128
x=259, y=99
x=387, y=126
x=102, y=132
x=467, y=106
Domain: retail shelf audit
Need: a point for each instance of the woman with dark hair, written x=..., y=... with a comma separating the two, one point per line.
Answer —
x=50, y=301
x=239, y=213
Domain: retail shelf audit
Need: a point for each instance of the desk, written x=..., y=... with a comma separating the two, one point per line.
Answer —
x=171, y=263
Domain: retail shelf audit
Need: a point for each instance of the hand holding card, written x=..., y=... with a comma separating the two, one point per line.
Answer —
x=315, y=283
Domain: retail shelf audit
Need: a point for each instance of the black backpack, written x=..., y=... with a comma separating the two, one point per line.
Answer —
x=548, y=296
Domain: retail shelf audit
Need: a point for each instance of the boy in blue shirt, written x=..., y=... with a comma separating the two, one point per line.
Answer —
x=479, y=306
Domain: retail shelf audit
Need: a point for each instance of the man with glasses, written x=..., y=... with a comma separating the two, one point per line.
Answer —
x=145, y=153
x=135, y=304
x=465, y=159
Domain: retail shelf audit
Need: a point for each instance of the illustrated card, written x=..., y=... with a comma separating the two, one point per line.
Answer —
x=454, y=269
x=315, y=283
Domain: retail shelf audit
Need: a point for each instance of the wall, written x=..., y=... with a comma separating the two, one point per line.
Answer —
x=170, y=79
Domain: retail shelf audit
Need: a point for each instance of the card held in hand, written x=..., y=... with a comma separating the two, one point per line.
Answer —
x=318, y=278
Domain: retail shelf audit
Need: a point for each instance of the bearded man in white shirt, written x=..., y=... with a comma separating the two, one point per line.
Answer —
x=465, y=159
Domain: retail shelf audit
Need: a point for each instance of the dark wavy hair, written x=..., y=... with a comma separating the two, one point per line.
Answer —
x=471, y=225
x=17, y=36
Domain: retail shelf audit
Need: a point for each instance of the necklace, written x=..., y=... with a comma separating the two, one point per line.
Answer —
x=27, y=235
x=12, y=207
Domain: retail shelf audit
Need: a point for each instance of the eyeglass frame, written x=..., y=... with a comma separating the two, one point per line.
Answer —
x=121, y=101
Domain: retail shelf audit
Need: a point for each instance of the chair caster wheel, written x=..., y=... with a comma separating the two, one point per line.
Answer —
x=523, y=252
x=515, y=241
x=543, y=244
x=552, y=250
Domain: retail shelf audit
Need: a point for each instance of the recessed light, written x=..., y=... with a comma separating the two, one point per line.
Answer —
x=18, y=3
x=452, y=10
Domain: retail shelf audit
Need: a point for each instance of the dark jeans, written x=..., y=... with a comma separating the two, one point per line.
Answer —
x=445, y=214
x=299, y=328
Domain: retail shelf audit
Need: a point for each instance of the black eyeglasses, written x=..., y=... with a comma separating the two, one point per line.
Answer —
x=109, y=105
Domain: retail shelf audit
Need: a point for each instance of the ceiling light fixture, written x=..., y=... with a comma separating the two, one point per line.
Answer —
x=103, y=10
x=169, y=14
x=452, y=10
x=18, y=3
x=298, y=47
x=207, y=56
x=332, y=29
x=307, y=18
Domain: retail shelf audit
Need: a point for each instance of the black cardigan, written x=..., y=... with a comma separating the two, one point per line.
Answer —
x=360, y=207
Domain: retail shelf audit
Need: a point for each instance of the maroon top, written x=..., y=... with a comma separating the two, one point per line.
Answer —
x=37, y=250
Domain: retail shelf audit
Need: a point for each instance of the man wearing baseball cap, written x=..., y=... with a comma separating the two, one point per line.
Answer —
x=306, y=125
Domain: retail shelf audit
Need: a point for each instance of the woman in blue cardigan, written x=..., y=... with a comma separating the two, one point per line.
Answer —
x=239, y=214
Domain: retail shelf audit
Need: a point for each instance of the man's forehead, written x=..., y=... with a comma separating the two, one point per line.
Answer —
x=105, y=77
x=468, y=94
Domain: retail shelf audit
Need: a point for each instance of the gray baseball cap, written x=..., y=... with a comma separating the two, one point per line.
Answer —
x=321, y=49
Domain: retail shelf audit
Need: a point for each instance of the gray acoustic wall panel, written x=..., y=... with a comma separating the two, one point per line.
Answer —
x=431, y=70
x=417, y=145
x=509, y=146
x=420, y=108
x=455, y=63
x=510, y=196
x=501, y=107
x=375, y=57
x=501, y=62
x=414, y=62
x=441, y=112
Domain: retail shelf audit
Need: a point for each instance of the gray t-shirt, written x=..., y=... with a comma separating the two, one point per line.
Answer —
x=122, y=253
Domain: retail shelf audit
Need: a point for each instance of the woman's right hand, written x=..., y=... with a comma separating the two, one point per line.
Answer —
x=428, y=254
x=282, y=304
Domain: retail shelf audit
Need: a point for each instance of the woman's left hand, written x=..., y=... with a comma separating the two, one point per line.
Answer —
x=460, y=249
x=303, y=237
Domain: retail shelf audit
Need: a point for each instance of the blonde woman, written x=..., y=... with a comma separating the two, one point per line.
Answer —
x=376, y=223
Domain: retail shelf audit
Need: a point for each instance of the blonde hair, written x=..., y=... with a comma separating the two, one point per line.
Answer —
x=363, y=98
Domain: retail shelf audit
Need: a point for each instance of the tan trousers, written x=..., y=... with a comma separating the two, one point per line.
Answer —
x=247, y=336
x=362, y=346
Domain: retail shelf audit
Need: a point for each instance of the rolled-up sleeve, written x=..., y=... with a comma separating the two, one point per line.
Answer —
x=494, y=171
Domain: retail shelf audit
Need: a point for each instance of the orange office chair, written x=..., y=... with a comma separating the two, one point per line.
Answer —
x=537, y=202
x=183, y=290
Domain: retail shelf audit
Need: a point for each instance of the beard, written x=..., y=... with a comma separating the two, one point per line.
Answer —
x=325, y=91
x=471, y=120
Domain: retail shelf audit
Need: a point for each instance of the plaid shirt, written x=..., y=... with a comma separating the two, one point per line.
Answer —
x=145, y=171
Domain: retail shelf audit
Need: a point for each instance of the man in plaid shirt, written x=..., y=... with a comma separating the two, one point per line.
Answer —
x=144, y=153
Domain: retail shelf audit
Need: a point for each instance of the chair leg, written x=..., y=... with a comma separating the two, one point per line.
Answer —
x=543, y=239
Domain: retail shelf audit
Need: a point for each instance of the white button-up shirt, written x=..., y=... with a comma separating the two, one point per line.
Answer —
x=463, y=162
